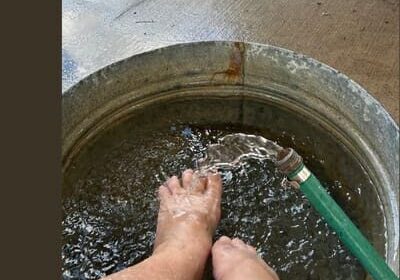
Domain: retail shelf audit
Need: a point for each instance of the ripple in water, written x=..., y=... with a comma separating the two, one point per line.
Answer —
x=233, y=149
x=109, y=207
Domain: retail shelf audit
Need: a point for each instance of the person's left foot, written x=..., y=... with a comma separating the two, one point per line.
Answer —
x=189, y=213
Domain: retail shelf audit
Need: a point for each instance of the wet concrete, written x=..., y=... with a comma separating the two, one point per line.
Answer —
x=360, y=39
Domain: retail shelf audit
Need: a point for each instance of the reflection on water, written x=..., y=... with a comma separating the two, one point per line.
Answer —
x=109, y=206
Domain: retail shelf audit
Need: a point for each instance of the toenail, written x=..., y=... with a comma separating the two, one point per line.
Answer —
x=224, y=238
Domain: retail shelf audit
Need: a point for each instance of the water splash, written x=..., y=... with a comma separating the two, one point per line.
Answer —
x=233, y=149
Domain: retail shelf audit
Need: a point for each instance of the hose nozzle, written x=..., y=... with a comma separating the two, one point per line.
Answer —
x=288, y=161
x=291, y=164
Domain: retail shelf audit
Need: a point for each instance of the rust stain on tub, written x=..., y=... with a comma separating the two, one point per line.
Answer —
x=235, y=71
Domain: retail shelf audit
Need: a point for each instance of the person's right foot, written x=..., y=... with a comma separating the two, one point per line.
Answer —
x=189, y=213
x=234, y=260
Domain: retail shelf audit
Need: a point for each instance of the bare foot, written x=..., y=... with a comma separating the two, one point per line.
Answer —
x=189, y=213
x=234, y=260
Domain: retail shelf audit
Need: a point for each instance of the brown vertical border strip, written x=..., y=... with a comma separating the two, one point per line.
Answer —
x=30, y=139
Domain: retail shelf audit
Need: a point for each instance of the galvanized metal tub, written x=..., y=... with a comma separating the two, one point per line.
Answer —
x=252, y=73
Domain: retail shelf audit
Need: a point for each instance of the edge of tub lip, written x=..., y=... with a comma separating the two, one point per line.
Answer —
x=361, y=90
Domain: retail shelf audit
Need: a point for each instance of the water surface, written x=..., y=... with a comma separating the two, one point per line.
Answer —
x=109, y=204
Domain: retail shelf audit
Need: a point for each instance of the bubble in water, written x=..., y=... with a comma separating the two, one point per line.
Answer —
x=109, y=203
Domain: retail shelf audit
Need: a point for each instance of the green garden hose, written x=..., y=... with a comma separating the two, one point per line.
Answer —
x=291, y=164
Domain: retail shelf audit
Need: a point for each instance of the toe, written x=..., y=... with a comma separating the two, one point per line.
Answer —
x=214, y=185
x=224, y=239
x=238, y=243
x=174, y=185
x=163, y=192
x=251, y=249
x=198, y=183
x=187, y=177
x=222, y=246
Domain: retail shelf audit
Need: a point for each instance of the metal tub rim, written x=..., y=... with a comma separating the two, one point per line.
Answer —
x=273, y=73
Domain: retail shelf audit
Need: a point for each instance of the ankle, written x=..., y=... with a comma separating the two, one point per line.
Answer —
x=198, y=246
x=185, y=237
x=183, y=260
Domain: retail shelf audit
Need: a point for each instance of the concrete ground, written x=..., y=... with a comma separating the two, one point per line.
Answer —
x=359, y=38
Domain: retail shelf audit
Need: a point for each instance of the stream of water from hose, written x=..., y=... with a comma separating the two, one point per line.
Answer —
x=233, y=149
